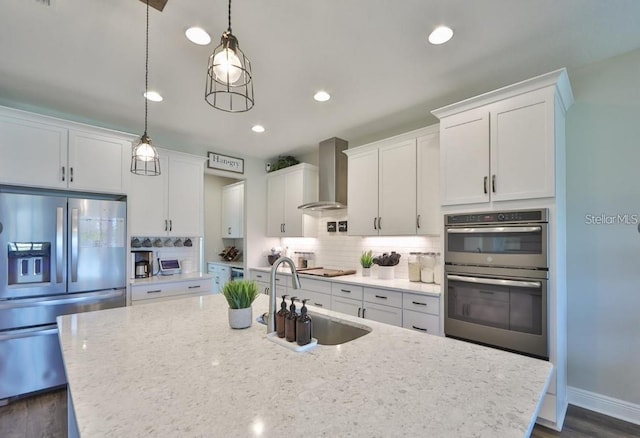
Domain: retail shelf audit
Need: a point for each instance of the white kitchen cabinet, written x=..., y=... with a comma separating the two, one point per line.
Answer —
x=429, y=219
x=501, y=146
x=153, y=291
x=382, y=305
x=42, y=152
x=233, y=211
x=286, y=190
x=382, y=189
x=171, y=203
x=347, y=306
x=263, y=281
x=318, y=292
x=421, y=313
x=221, y=274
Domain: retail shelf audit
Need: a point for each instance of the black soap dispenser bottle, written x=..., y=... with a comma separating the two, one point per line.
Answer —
x=303, y=326
x=290, y=322
x=281, y=316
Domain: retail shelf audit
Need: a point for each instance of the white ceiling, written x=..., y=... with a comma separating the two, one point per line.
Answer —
x=84, y=60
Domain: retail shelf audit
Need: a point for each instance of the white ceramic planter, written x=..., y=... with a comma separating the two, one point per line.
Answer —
x=240, y=318
x=366, y=272
x=386, y=272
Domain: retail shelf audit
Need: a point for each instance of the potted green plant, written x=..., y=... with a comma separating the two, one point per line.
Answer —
x=240, y=295
x=366, y=260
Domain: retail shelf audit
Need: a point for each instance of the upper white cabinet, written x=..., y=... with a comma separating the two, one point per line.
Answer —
x=42, y=152
x=171, y=203
x=232, y=211
x=429, y=220
x=393, y=186
x=286, y=190
x=500, y=146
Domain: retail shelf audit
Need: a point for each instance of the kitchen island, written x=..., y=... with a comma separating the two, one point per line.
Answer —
x=176, y=369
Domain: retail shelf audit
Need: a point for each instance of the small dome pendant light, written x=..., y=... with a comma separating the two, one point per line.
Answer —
x=144, y=157
x=229, y=83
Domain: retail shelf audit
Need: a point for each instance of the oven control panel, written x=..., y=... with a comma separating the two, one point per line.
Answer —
x=538, y=215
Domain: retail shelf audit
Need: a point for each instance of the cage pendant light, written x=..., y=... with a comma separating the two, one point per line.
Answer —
x=229, y=82
x=144, y=157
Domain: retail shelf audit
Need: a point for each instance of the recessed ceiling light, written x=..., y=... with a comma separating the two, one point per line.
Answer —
x=153, y=96
x=440, y=35
x=257, y=128
x=198, y=35
x=322, y=96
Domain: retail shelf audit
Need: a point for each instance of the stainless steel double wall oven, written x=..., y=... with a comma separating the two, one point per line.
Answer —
x=496, y=275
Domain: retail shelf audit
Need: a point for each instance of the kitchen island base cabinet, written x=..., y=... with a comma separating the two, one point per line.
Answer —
x=421, y=322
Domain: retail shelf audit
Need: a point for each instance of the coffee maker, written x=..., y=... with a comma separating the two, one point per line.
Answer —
x=141, y=264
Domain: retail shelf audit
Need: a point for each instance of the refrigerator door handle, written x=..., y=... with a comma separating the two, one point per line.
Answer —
x=30, y=332
x=59, y=243
x=74, y=245
x=55, y=301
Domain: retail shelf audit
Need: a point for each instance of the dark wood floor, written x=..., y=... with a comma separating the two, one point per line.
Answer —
x=45, y=416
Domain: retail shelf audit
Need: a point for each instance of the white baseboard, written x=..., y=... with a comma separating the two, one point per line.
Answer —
x=603, y=404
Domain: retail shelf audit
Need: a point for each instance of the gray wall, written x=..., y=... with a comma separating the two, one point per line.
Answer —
x=603, y=260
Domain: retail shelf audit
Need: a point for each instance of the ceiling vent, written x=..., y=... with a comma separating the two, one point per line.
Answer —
x=332, y=176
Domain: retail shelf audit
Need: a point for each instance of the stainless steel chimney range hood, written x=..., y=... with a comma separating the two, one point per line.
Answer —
x=332, y=176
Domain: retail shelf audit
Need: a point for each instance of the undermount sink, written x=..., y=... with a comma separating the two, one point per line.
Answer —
x=333, y=331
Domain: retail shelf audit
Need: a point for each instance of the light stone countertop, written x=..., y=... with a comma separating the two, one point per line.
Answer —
x=399, y=284
x=175, y=368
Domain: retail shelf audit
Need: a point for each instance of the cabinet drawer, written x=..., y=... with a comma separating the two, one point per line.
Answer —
x=260, y=276
x=385, y=314
x=315, y=285
x=315, y=298
x=421, y=303
x=421, y=322
x=153, y=291
x=347, y=291
x=383, y=296
x=346, y=305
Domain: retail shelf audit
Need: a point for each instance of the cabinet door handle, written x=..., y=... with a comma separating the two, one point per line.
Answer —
x=194, y=287
x=375, y=221
x=359, y=309
x=156, y=291
x=418, y=221
x=363, y=309
x=347, y=291
x=493, y=183
x=419, y=328
x=62, y=173
x=485, y=185
x=379, y=223
x=71, y=174
x=382, y=297
x=418, y=303
x=229, y=230
x=166, y=225
x=318, y=304
x=170, y=224
x=258, y=276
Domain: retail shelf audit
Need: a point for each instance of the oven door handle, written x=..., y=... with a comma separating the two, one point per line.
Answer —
x=494, y=230
x=494, y=281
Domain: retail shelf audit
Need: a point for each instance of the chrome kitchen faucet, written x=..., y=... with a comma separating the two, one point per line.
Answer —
x=295, y=280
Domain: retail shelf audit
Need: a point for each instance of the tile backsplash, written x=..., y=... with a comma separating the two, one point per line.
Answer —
x=338, y=250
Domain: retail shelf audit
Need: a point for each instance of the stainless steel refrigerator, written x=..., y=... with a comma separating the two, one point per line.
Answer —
x=59, y=254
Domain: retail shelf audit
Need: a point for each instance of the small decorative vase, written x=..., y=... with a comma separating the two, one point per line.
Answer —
x=366, y=272
x=240, y=318
x=386, y=272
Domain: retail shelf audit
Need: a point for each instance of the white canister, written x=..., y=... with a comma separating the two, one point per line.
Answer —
x=386, y=272
x=427, y=267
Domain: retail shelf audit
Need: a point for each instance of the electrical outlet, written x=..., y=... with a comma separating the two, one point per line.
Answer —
x=342, y=226
x=331, y=227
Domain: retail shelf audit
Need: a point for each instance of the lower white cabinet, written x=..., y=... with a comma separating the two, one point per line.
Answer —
x=263, y=279
x=160, y=291
x=318, y=292
x=421, y=313
x=347, y=306
x=380, y=313
x=221, y=275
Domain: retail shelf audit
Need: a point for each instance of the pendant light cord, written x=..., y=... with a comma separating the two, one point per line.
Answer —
x=146, y=72
x=229, y=29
